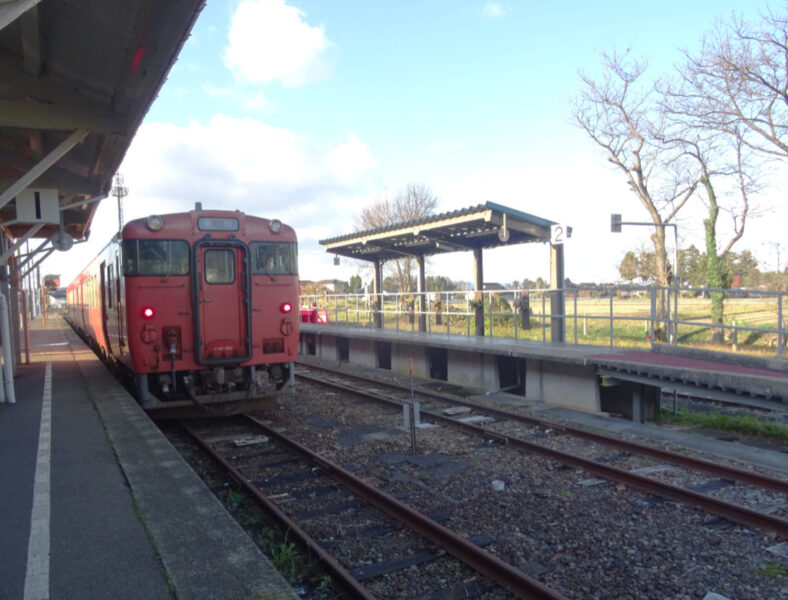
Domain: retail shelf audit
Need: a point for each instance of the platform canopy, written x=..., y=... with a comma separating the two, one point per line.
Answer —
x=484, y=226
x=76, y=79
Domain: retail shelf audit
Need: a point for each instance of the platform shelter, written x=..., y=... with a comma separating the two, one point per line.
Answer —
x=472, y=229
x=76, y=80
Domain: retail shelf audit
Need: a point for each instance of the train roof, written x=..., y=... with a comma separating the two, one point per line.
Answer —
x=188, y=222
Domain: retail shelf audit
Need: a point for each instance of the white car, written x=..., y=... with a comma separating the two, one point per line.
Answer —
x=55, y=303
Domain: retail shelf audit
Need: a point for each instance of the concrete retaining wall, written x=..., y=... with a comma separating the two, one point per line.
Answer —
x=557, y=382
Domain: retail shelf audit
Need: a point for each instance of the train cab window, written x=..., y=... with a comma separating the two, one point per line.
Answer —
x=219, y=266
x=274, y=258
x=155, y=257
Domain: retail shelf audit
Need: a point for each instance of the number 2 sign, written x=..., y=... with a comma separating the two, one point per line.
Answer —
x=559, y=234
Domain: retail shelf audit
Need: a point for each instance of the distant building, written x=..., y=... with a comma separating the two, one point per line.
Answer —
x=334, y=286
x=493, y=287
x=586, y=289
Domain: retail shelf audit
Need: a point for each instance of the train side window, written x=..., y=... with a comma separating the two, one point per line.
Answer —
x=219, y=266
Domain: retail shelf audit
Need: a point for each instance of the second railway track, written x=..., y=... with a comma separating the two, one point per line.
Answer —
x=592, y=453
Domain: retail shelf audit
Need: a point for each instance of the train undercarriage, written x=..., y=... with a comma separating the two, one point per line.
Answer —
x=209, y=392
x=213, y=391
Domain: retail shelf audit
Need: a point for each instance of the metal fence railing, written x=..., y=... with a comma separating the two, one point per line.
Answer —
x=627, y=316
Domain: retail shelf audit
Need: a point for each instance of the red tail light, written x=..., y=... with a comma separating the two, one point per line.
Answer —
x=286, y=307
x=148, y=313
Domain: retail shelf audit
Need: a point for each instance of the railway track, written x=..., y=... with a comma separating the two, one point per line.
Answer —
x=305, y=492
x=574, y=534
x=592, y=453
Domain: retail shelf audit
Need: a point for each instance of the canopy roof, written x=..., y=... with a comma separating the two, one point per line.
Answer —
x=78, y=74
x=487, y=225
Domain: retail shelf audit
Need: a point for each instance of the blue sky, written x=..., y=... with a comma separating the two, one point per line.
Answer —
x=310, y=110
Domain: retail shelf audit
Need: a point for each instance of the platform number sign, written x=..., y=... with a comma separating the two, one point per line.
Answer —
x=559, y=234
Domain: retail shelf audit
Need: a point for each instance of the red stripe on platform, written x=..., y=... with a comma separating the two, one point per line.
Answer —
x=670, y=360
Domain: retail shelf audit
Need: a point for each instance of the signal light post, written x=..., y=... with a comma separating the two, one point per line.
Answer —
x=615, y=227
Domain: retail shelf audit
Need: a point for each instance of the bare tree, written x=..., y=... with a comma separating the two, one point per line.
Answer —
x=621, y=113
x=730, y=104
x=415, y=201
x=739, y=82
x=726, y=180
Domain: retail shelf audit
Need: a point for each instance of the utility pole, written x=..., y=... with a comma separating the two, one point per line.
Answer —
x=120, y=191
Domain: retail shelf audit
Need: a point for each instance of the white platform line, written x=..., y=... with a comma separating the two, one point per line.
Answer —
x=37, y=574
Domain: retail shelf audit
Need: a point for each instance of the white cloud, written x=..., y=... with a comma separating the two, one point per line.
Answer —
x=245, y=159
x=256, y=101
x=350, y=159
x=493, y=10
x=270, y=40
x=238, y=164
x=248, y=100
x=222, y=93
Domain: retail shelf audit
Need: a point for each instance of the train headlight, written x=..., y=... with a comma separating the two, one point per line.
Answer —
x=154, y=222
x=148, y=313
x=275, y=225
x=286, y=307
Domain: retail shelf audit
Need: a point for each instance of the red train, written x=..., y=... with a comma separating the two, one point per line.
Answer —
x=197, y=308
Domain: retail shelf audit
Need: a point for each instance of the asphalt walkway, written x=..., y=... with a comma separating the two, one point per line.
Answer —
x=97, y=504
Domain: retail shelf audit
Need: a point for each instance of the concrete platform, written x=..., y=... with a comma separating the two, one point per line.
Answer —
x=95, y=501
x=594, y=379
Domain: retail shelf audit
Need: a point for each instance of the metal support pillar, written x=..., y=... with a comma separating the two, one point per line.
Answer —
x=478, y=285
x=377, y=303
x=14, y=314
x=557, y=308
x=8, y=354
x=25, y=319
x=423, y=304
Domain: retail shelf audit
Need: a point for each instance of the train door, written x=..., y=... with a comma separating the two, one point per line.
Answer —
x=105, y=300
x=83, y=309
x=119, y=306
x=222, y=302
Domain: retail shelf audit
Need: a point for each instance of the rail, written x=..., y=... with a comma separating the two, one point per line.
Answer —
x=753, y=321
x=739, y=514
x=485, y=563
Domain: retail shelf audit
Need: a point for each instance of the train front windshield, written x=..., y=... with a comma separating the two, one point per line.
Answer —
x=155, y=257
x=274, y=258
x=171, y=257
